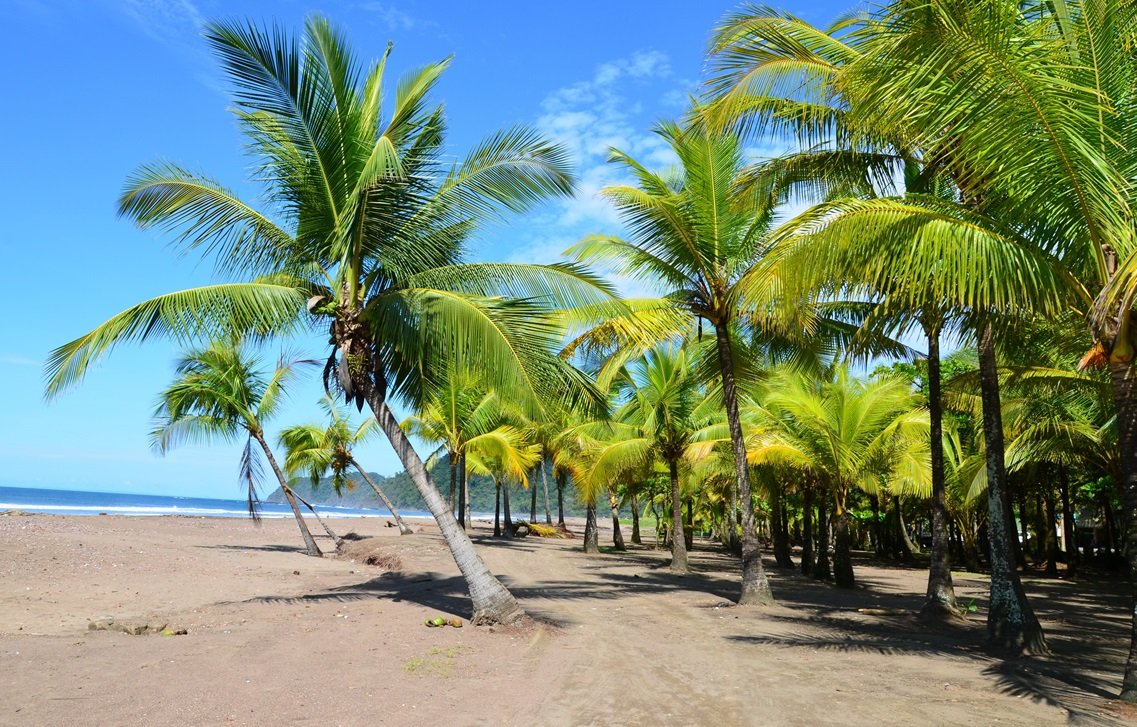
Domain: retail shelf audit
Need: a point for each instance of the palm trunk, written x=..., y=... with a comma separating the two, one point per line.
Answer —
x=807, y=532
x=1124, y=380
x=310, y=546
x=545, y=484
x=821, y=566
x=1069, y=534
x=463, y=499
x=940, y=596
x=678, y=545
x=533, y=500
x=635, y=501
x=908, y=548
x=337, y=539
x=1051, y=538
x=496, y=508
x=506, y=510
x=403, y=528
x=453, y=478
x=617, y=534
x=561, y=482
x=468, y=517
x=877, y=530
x=755, y=585
x=842, y=555
x=492, y=602
x=1011, y=623
x=590, y=543
x=781, y=537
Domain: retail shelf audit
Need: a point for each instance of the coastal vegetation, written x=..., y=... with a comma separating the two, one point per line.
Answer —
x=962, y=172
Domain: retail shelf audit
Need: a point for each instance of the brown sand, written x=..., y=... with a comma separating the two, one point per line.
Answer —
x=619, y=640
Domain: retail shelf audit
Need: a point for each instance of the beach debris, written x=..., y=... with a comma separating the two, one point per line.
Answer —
x=436, y=621
x=455, y=622
x=134, y=629
x=295, y=572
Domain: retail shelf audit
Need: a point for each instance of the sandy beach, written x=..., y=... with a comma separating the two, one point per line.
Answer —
x=274, y=637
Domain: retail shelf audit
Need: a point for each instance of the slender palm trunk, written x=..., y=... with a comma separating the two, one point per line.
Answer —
x=1069, y=535
x=453, y=478
x=533, y=498
x=311, y=508
x=496, y=508
x=777, y=517
x=821, y=566
x=877, y=530
x=590, y=542
x=1011, y=623
x=462, y=494
x=561, y=482
x=493, y=603
x=842, y=555
x=940, y=596
x=468, y=517
x=310, y=546
x=403, y=528
x=755, y=585
x=617, y=534
x=908, y=549
x=545, y=485
x=1051, y=538
x=635, y=501
x=507, y=511
x=1124, y=380
x=807, y=532
x=678, y=544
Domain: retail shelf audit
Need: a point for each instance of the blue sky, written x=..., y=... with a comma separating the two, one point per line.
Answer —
x=97, y=87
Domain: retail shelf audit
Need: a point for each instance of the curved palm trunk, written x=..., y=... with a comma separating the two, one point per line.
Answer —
x=311, y=508
x=590, y=541
x=636, y=519
x=617, y=534
x=493, y=603
x=941, y=591
x=1011, y=623
x=403, y=529
x=678, y=545
x=755, y=585
x=507, y=512
x=310, y=546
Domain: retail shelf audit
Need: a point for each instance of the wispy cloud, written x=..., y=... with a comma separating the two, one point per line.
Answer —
x=392, y=17
x=14, y=359
x=165, y=20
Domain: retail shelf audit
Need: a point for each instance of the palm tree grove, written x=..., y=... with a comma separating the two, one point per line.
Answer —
x=829, y=418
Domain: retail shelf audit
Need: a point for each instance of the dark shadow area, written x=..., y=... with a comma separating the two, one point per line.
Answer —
x=276, y=548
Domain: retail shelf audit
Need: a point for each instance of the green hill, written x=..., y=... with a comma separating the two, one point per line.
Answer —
x=403, y=493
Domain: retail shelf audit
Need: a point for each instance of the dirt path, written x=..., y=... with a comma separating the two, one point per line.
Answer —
x=278, y=638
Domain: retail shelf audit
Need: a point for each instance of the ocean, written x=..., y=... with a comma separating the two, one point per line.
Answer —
x=73, y=502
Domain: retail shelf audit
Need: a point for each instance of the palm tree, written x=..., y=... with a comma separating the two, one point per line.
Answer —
x=316, y=450
x=364, y=228
x=220, y=394
x=931, y=251
x=505, y=454
x=847, y=433
x=699, y=236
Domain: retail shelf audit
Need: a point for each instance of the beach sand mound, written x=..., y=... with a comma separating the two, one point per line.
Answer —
x=369, y=551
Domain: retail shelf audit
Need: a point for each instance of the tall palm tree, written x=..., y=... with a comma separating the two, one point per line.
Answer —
x=697, y=235
x=506, y=455
x=219, y=394
x=315, y=450
x=932, y=249
x=364, y=228
x=848, y=433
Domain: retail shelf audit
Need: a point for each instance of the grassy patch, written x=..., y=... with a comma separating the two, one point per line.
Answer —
x=439, y=661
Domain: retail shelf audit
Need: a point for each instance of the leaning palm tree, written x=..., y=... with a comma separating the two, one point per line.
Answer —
x=220, y=394
x=316, y=450
x=363, y=228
